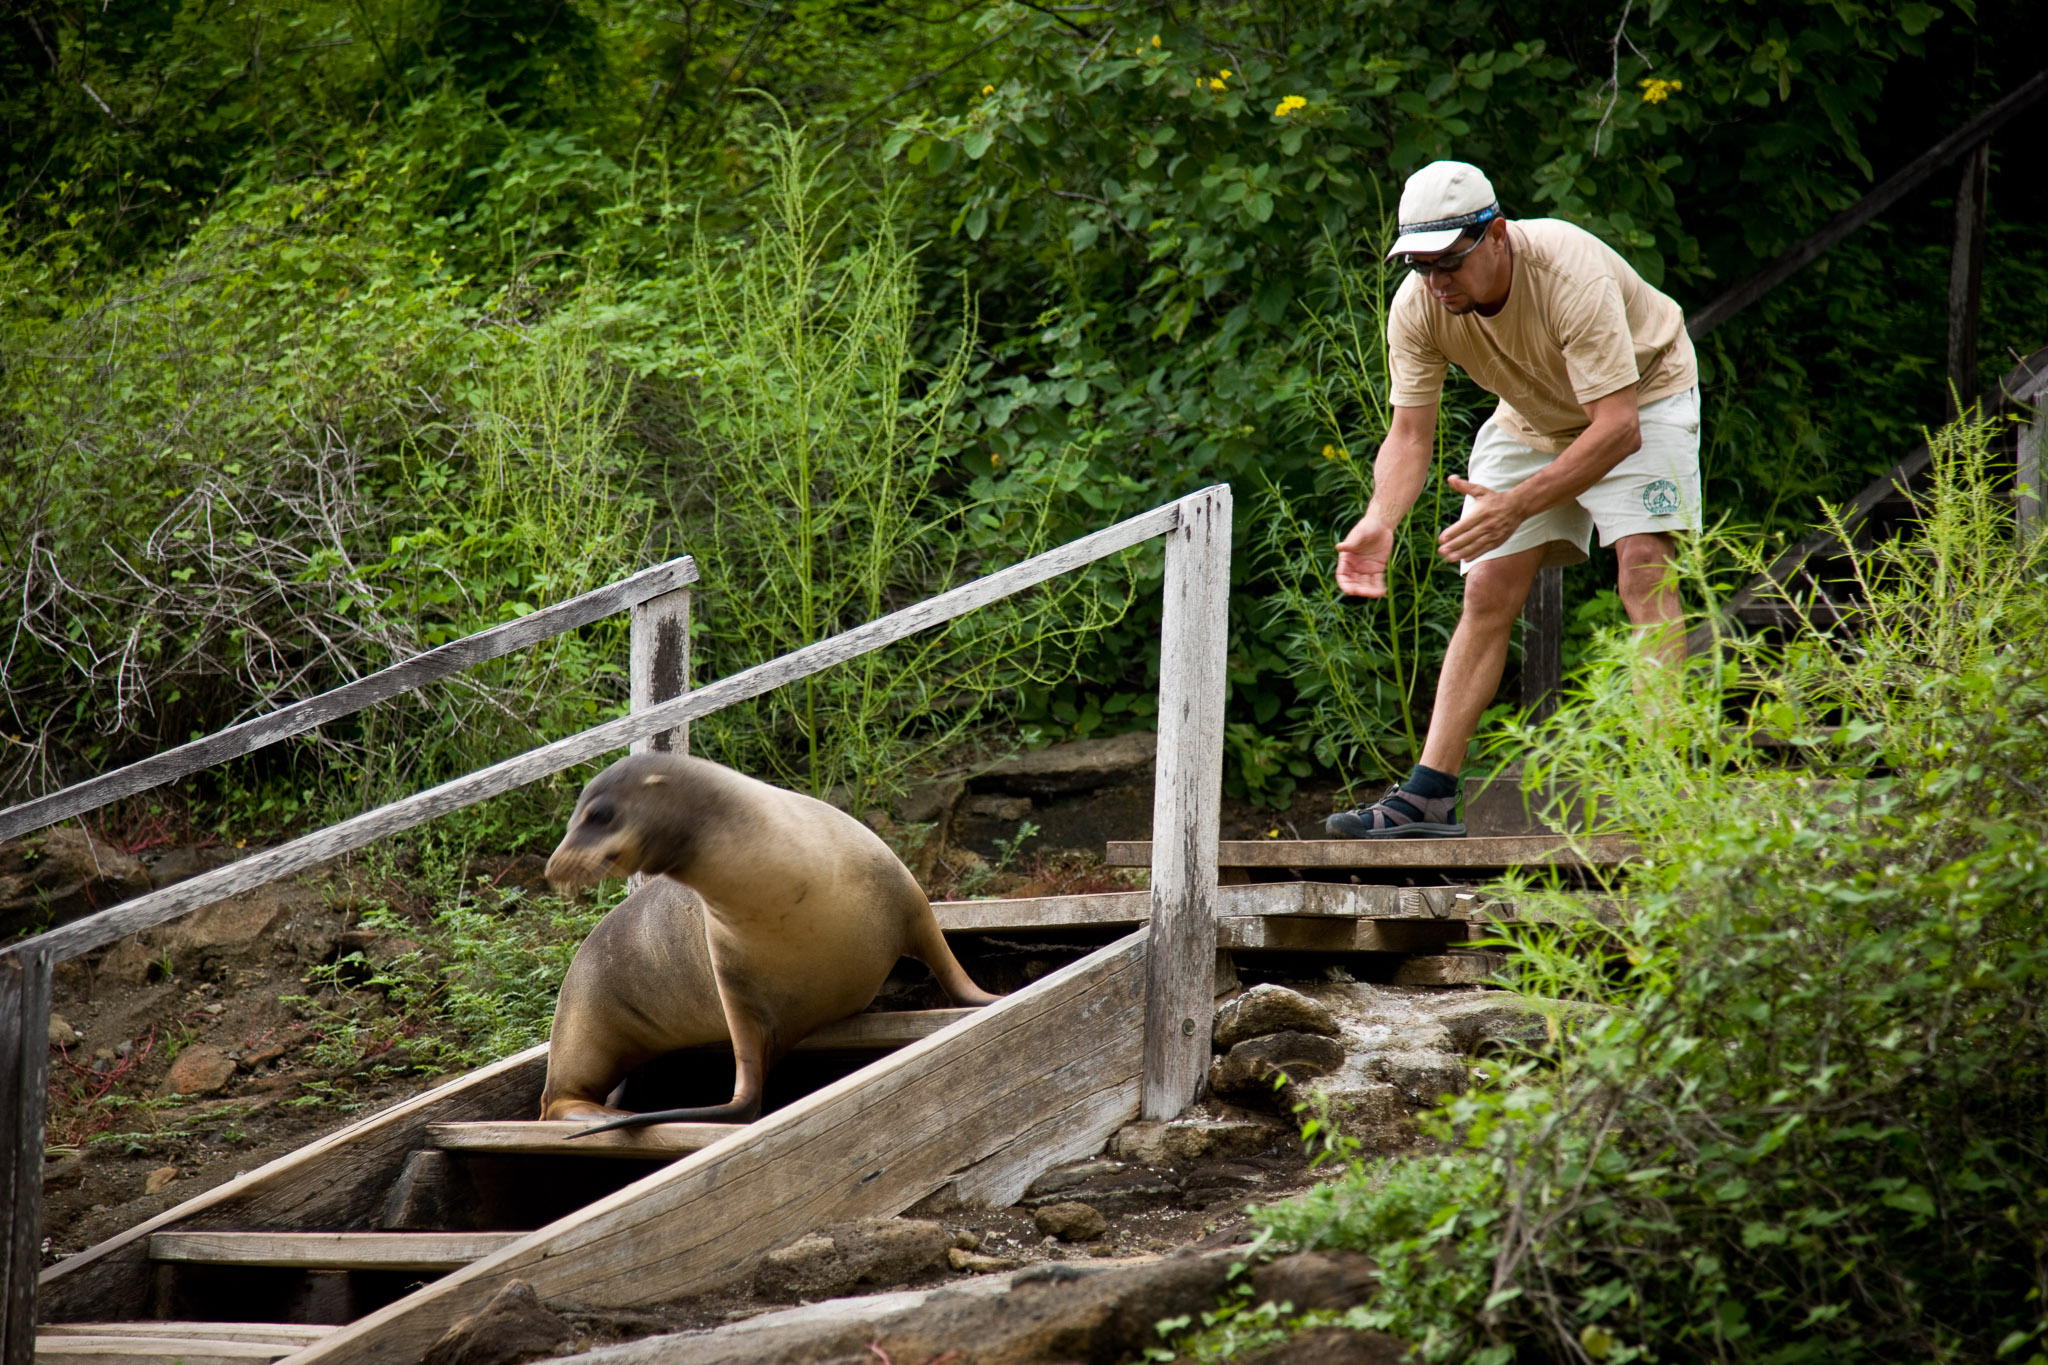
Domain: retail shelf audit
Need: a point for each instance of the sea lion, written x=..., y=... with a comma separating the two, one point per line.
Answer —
x=766, y=915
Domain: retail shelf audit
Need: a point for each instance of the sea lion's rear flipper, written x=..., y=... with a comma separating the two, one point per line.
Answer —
x=734, y=1112
x=928, y=945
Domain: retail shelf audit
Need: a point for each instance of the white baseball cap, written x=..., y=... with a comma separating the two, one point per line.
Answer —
x=1441, y=201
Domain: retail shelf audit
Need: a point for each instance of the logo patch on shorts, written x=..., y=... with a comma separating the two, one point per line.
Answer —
x=1660, y=498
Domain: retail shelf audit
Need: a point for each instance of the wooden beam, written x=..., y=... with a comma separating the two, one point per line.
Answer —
x=1187, y=803
x=1316, y=934
x=331, y=1250
x=1966, y=275
x=339, y=1181
x=294, y=1334
x=1543, y=643
x=24, y=1087
x=1904, y=181
x=109, y=926
x=534, y=1137
x=659, y=664
x=1044, y=1070
x=2030, y=466
x=129, y=1349
x=1125, y=909
x=1400, y=855
x=440, y=662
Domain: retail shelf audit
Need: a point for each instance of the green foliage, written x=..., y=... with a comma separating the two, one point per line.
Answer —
x=1808, y=1126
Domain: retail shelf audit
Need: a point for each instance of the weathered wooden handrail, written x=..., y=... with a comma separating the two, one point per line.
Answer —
x=404, y=676
x=1186, y=811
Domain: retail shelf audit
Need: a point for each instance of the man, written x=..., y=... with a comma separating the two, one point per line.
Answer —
x=1598, y=426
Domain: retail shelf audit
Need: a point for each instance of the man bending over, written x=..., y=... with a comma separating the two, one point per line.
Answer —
x=1598, y=426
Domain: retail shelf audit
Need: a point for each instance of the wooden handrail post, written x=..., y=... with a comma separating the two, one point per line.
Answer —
x=24, y=1090
x=659, y=664
x=1543, y=643
x=1966, y=276
x=2031, y=464
x=1180, y=960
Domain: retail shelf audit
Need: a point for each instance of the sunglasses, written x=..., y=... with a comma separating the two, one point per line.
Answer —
x=1443, y=264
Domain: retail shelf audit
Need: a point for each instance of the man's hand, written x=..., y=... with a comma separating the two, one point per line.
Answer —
x=1362, y=558
x=1493, y=518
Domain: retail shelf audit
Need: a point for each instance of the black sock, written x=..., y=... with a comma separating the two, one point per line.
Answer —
x=1427, y=784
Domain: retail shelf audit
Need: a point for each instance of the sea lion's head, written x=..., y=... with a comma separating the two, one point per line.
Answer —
x=632, y=817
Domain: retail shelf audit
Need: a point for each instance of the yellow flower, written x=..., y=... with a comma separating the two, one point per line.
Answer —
x=1329, y=452
x=1155, y=40
x=1224, y=74
x=1289, y=105
x=988, y=90
x=1656, y=91
x=1218, y=85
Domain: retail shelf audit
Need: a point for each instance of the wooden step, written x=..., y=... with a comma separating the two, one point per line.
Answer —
x=656, y=1142
x=1489, y=855
x=437, y=1251
x=1125, y=909
x=293, y=1334
x=125, y=1349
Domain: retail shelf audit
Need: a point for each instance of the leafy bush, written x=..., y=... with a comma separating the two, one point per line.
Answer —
x=1809, y=1126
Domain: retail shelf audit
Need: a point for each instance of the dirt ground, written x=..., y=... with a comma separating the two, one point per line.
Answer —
x=230, y=996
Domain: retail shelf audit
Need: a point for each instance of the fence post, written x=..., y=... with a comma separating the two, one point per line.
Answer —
x=24, y=1089
x=2032, y=462
x=658, y=666
x=1543, y=643
x=1966, y=275
x=1180, y=963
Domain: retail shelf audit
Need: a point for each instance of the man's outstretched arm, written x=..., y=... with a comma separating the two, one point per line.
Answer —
x=1398, y=473
x=1613, y=433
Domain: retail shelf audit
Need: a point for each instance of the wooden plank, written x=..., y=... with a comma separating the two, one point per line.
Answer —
x=658, y=665
x=109, y=926
x=1305, y=934
x=440, y=662
x=2030, y=466
x=533, y=1137
x=1902, y=182
x=1187, y=803
x=1966, y=275
x=285, y=1333
x=168, y=1350
x=330, y=1250
x=1543, y=644
x=1067, y=1049
x=24, y=1090
x=885, y=1028
x=1116, y=909
x=338, y=1182
x=1399, y=855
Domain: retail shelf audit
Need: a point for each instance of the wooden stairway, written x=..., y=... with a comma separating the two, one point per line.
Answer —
x=367, y=1244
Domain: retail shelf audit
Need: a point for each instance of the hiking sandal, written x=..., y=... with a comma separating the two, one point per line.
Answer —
x=1383, y=821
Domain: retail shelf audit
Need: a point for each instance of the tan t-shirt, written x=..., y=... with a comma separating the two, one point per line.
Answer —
x=1578, y=325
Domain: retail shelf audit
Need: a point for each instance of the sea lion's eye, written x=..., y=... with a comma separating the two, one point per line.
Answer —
x=598, y=815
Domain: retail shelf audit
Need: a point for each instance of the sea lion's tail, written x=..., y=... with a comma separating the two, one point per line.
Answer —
x=929, y=946
x=721, y=1113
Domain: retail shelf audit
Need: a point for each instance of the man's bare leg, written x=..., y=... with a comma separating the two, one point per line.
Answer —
x=1649, y=591
x=1494, y=593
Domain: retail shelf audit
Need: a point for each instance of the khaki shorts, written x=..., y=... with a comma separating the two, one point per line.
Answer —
x=1655, y=489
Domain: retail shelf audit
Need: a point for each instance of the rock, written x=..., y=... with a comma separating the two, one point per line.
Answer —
x=198, y=1070
x=127, y=963
x=512, y=1327
x=1423, y=1078
x=1449, y=969
x=1373, y=1113
x=55, y=875
x=1221, y=1183
x=63, y=1173
x=1071, y=1221
x=1181, y=1141
x=1331, y=1346
x=1077, y=766
x=994, y=807
x=230, y=928
x=879, y=1251
x=1315, y=1281
x=1247, y=1072
x=974, y=1263
x=156, y=1180
x=1110, y=1187
x=61, y=1032
x=1269, y=1009
x=1067, y=1311
x=929, y=803
x=182, y=863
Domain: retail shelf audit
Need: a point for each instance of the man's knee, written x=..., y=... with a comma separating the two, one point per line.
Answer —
x=1647, y=572
x=1494, y=596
